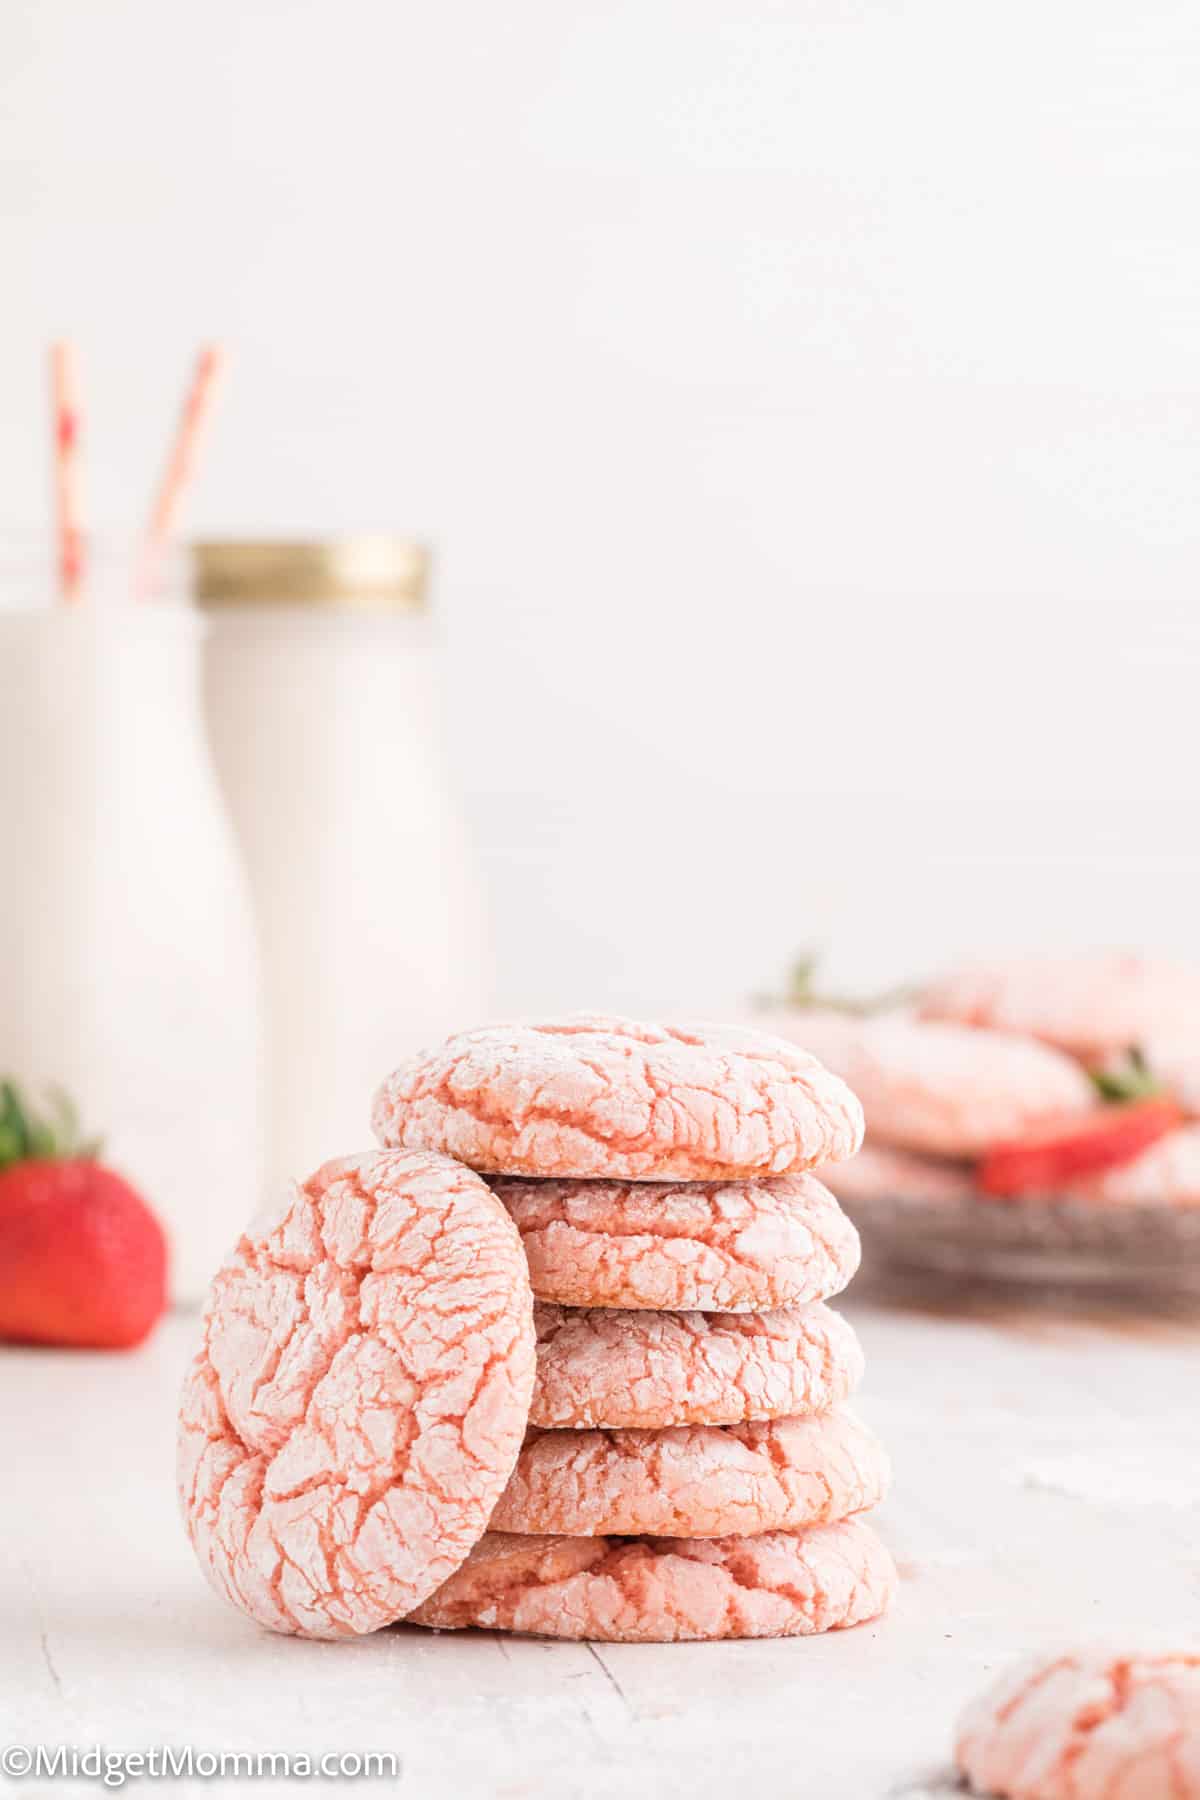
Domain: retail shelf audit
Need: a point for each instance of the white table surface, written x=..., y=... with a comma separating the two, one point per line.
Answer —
x=1047, y=1486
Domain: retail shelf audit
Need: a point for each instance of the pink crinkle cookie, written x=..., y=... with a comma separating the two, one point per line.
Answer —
x=664, y=1590
x=1089, y=1004
x=360, y=1395
x=695, y=1480
x=1087, y=1725
x=687, y=1246
x=941, y=1089
x=879, y=1173
x=593, y=1096
x=642, y=1370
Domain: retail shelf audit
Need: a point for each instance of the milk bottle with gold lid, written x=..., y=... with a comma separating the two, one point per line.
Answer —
x=323, y=696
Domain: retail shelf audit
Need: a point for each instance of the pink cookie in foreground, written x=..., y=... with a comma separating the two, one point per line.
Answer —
x=667, y=1590
x=683, y=1247
x=1087, y=1725
x=643, y=1370
x=605, y=1097
x=1090, y=1004
x=941, y=1089
x=695, y=1480
x=360, y=1394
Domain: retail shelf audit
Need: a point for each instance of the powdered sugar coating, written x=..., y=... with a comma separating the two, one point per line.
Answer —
x=941, y=1089
x=667, y=1590
x=1089, y=1004
x=1087, y=1725
x=643, y=1370
x=695, y=1480
x=683, y=1247
x=603, y=1097
x=359, y=1396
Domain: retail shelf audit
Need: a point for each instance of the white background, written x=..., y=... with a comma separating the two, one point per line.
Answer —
x=804, y=400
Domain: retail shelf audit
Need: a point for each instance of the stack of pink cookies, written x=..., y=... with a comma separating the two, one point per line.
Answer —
x=690, y=1468
x=381, y=1422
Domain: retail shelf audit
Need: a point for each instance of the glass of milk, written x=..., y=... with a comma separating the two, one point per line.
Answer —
x=129, y=974
x=323, y=691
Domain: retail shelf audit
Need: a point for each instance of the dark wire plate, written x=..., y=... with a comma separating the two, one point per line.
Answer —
x=1057, y=1242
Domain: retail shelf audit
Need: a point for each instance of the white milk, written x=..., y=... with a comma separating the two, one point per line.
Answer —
x=325, y=721
x=128, y=972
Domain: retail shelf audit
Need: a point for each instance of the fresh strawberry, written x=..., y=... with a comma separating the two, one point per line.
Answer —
x=1073, y=1147
x=83, y=1260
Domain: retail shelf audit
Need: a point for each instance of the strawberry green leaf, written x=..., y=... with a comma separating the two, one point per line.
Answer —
x=803, y=990
x=27, y=1135
x=1130, y=1079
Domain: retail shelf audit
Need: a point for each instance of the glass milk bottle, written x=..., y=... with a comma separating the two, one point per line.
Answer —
x=324, y=708
x=129, y=974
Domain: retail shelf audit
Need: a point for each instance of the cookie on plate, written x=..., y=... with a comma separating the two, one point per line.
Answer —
x=940, y=1089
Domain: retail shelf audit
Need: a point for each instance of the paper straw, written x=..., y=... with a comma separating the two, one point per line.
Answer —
x=181, y=463
x=64, y=389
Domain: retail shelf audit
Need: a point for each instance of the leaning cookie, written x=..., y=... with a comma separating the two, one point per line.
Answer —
x=1087, y=1725
x=602, y=1097
x=666, y=1590
x=717, y=1246
x=359, y=1396
x=643, y=1370
x=695, y=1480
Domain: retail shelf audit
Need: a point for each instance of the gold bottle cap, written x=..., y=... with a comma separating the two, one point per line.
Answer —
x=368, y=570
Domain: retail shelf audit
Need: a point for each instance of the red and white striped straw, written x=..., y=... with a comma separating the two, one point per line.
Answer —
x=68, y=516
x=181, y=463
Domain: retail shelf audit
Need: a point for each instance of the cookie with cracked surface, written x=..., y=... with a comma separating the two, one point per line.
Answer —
x=615, y=1370
x=1087, y=1725
x=695, y=1480
x=594, y=1097
x=714, y=1246
x=360, y=1395
x=1090, y=1004
x=941, y=1089
x=668, y=1590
